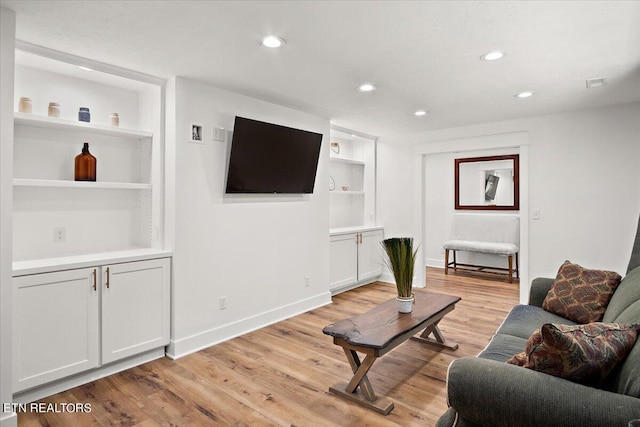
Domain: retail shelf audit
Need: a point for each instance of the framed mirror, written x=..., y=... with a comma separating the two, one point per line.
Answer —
x=488, y=183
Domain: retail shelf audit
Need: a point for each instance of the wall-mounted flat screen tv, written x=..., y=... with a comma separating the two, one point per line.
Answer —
x=267, y=158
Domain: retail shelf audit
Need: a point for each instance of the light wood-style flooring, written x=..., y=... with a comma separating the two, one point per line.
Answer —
x=280, y=375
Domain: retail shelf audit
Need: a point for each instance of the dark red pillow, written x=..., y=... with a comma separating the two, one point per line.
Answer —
x=581, y=353
x=579, y=294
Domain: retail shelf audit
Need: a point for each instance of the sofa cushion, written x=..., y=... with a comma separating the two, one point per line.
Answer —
x=523, y=320
x=580, y=294
x=627, y=294
x=581, y=353
x=502, y=347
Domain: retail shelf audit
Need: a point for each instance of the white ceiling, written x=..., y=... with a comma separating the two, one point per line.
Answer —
x=421, y=55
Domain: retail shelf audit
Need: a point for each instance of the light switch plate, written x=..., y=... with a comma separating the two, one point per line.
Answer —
x=218, y=133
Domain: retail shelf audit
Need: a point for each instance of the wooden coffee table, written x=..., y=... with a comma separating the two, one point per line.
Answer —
x=379, y=331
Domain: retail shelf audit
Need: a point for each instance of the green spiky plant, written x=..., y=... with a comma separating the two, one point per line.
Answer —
x=401, y=258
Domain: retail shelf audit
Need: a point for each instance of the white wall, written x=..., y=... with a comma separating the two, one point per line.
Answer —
x=254, y=250
x=396, y=184
x=583, y=176
x=7, y=49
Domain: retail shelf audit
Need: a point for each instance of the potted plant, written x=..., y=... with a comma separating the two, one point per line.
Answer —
x=401, y=259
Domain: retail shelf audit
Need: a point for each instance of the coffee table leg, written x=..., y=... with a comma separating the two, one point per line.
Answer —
x=439, y=339
x=365, y=395
x=360, y=373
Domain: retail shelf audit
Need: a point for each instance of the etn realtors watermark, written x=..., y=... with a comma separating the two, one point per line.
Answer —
x=41, y=407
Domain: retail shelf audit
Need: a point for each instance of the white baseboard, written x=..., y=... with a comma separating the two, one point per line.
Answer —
x=10, y=420
x=434, y=262
x=339, y=290
x=49, y=389
x=387, y=278
x=185, y=346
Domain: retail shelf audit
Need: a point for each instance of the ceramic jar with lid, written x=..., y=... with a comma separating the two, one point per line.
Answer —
x=114, y=119
x=54, y=109
x=24, y=106
x=84, y=115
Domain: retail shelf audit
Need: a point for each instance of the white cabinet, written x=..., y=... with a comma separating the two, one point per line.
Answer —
x=343, y=269
x=369, y=255
x=135, y=308
x=68, y=322
x=56, y=325
x=355, y=258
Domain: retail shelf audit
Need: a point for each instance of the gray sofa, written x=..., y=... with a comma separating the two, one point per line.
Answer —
x=486, y=391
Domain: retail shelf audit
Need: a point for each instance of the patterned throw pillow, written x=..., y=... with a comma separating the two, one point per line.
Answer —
x=581, y=353
x=579, y=294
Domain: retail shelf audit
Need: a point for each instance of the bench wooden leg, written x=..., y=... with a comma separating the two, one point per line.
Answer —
x=446, y=261
x=455, y=264
x=517, y=267
x=510, y=268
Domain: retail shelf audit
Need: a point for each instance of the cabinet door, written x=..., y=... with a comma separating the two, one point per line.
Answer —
x=135, y=308
x=370, y=259
x=343, y=264
x=55, y=318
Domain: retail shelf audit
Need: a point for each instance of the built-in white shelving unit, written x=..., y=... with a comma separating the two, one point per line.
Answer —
x=354, y=236
x=94, y=249
x=352, y=171
x=122, y=209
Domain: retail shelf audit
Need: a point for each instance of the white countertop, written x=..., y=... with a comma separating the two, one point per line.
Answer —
x=354, y=229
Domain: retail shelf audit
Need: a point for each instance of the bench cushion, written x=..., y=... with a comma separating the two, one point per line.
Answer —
x=486, y=247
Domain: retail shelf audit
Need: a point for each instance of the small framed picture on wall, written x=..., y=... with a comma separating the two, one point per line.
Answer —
x=197, y=134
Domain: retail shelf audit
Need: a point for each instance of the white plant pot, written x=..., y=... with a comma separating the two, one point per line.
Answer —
x=405, y=305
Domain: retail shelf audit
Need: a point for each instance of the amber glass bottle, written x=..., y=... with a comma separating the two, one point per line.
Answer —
x=85, y=169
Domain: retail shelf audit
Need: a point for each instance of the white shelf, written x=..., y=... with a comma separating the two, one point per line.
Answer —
x=346, y=161
x=347, y=193
x=46, y=265
x=27, y=119
x=51, y=183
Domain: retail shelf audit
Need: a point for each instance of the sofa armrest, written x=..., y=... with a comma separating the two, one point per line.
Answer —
x=539, y=289
x=492, y=393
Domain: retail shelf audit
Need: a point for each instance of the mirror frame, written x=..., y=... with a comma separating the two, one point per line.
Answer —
x=516, y=183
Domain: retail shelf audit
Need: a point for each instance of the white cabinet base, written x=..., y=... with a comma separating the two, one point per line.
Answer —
x=86, y=377
x=74, y=326
x=355, y=257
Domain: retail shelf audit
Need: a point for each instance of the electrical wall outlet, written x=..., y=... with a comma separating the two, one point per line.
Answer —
x=59, y=235
x=223, y=303
x=307, y=281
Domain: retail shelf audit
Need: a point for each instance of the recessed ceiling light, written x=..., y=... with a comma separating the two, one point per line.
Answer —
x=492, y=56
x=525, y=94
x=273, y=41
x=366, y=87
x=420, y=113
x=82, y=67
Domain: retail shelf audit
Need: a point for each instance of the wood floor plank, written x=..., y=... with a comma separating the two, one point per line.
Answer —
x=280, y=375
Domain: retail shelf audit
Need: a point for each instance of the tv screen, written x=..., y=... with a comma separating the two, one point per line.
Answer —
x=269, y=158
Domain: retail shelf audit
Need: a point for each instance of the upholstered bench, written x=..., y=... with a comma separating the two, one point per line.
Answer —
x=490, y=234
